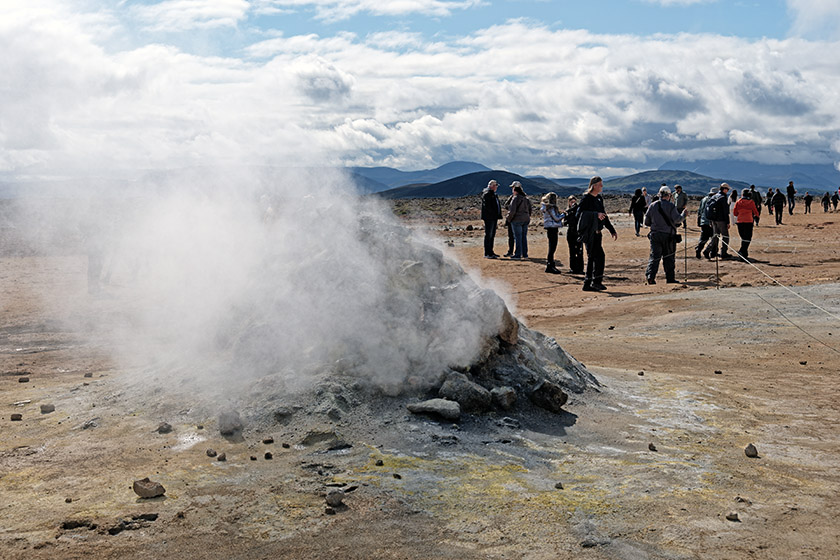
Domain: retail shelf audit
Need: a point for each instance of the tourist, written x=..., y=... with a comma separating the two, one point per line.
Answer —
x=570, y=220
x=705, y=225
x=808, y=199
x=552, y=220
x=680, y=198
x=835, y=198
x=791, y=197
x=779, y=205
x=638, y=207
x=592, y=218
x=491, y=213
x=647, y=197
x=756, y=197
x=519, y=216
x=509, y=228
x=745, y=213
x=663, y=220
x=717, y=212
x=769, y=201
x=826, y=200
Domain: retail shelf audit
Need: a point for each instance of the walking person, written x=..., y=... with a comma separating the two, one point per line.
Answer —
x=779, y=205
x=717, y=212
x=552, y=220
x=491, y=213
x=663, y=220
x=570, y=220
x=647, y=196
x=835, y=198
x=745, y=213
x=519, y=216
x=756, y=197
x=705, y=225
x=592, y=218
x=808, y=199
x=769, y=201
x=826, y=200
x=791, y=197
x=638, y=207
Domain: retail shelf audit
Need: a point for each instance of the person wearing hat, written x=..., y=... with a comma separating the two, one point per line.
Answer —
x=745, y=214
x=680, y=198
x=663, y=220
x=519, y=216
x=491, y=213
x=705, y=225
x=592, y=218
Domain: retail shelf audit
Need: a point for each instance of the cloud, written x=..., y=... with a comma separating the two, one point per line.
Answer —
x=336, y=10
x=184, y=15
x=668, y=3
x=815, y=18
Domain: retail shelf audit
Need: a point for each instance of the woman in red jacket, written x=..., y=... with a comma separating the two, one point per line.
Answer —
x=745, y=211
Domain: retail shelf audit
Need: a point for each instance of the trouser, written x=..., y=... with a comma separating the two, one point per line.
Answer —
x=705, y=235
x=552, y=234
x=575, y=252
x=779, y=215
x=638, y=218
x=511, y=239
x=595, y=261
x=662, y=247
x=520, y=234
x=490, y=227
x=719, y=230
x=807, y=207
x=825, y=207
x=791, y=204
x=745, y=232
x=770, y=209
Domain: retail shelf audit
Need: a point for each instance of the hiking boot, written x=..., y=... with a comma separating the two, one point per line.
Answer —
x=599, y=286
x=589, y=288
x=650, y=281
x=552, y=270
x=698, y=253
x=672, y=281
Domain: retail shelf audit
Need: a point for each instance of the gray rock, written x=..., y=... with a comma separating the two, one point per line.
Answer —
x=504, y=397
x=509, y=332
x=549, y=396
x=221, y=457
x=47, y=408
x=23, y=380
x=449, y=410
x=164, y=428
x=211, y=452
x=750, y=451
x=470, y=395
x=17, y=417
x=335, y=496
x=508, y=422
x=651, y=447
x=732, y=516
x=230, y=423
x=146, y=488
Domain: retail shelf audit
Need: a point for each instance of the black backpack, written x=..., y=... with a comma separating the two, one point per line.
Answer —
x=717, y=208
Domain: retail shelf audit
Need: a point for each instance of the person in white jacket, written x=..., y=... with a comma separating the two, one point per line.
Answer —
x=552, y=220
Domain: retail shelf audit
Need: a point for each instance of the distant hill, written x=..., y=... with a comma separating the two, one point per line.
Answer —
x=814, y=177
x=392, y=178
x=473, y=183
x=692, y=183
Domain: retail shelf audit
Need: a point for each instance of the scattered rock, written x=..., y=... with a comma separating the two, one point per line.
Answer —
x=88, y=374
x=211, y=452
x=470, y=395
x=92, y=423
x=230, y=423
x=253, y=457
x=803, y=363
x=23, y=380
x=221, y=457
x=741, y=500
x=732, y=516
x=146, y=488
x=320, y=436
x=47, y=408
x=611, y=328
x=504, y=397
x=199, y=427
x=268, y=440
x=329, y=511
x=286, y=446
x=398, y=476
x=70, y=524
x=508, y=422
x=549, y=396
x=640, y=373
x=17, y=417
x=379, y=462
x=448, y=410
x=335, y=496
x=718, y=372
x=750, y=451
x=164, y=428
x=558, y=485
x=651, y=447
x=269, y=456
x=68, y=500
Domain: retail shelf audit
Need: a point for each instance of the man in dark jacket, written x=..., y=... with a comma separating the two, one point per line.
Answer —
x=791, y=197
x=756, y=197
x=717, y=212
x=663, y=218
x=778, y=205
x=592, y=218
x=491, y=213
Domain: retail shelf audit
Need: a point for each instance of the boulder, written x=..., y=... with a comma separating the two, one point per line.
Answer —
x=504, y=397
x=146, y=488
x=448, y=410
x=549, y=396
x=470, y=395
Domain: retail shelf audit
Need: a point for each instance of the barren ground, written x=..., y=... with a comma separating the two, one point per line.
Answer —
x=724, y=365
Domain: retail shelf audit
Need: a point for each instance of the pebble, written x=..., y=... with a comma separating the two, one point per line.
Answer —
x=221, y=457
x=641, y=373
x=335, y=496
x=379, y=462
x=750, y=451
x=329, y=511
x=68, y=500
x=268, y=440
x=558, y=485
x=732, y=516
x=47, y=408
x=397, y=476
x=286, y=446
x=651, y=447
x=211, y=452
x=89, y=374
x=17, y=417
x=718, y=372
x=164, y=428
x=23, y=380
x=146, y=488
x=268, y=455
x=803, y=363
x=253, y=458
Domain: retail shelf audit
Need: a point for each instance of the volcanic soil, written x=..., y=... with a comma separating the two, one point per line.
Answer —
x=650, y=464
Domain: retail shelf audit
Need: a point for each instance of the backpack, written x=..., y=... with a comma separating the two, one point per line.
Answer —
x=717, y=208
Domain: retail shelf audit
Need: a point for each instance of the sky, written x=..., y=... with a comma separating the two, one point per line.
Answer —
x=113, y=87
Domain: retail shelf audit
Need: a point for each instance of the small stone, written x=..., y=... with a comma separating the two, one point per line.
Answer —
x=47, y=408
x=732, y=516
x=221, y=457
x=286, y=446
x=17, y=417
x=68, y=500
x=211, y=452
x=741, y=500
x=268, y=440
x=803, y=363
x=200, y=427
x=379, y=462
x=651, y=447
x=89, y=374
x=335, y=496
x=164, y=428
x=448, y=410
x=718, y=372
x=146, y=488
x=253, y=458
x=504, y=397
x=558, y=485
x=398, y=476
x=611, y=327
x=269, y=456
x=640, y=373
x=23, y=380
x=750, y=451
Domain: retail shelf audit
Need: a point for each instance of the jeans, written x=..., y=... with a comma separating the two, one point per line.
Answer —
x=791, y=204
x=489, y=236
x=520, y=235
x=662, y=247
x=511, y=240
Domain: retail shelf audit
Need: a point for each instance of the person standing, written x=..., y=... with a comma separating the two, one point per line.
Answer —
x=704, y=225
x=647, y=196
x=663, y=220
x=756, y=198
x=552, y=220
x=638, y=207
x=808, y=199
x=570, y=220
x=491, y=213
x=733, y=198
x=745, y=212
x=779, y=205
x=717, y=212
x=680, y=198
x=769, y=201
x=519, y=216
x=835, y=198
x=791, y=197
x=592, y=218
x=826, y=200
x=509, y=228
